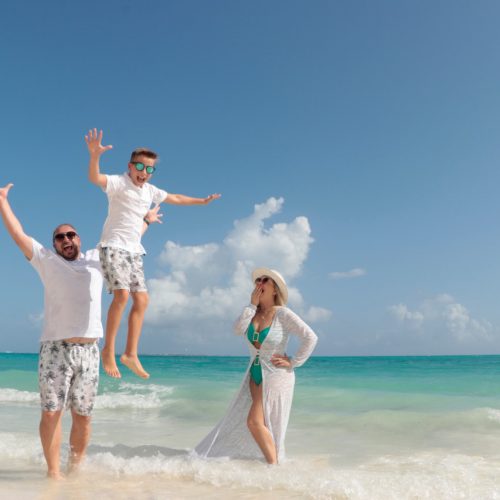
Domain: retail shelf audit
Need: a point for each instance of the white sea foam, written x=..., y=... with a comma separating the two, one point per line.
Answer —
x=437, y=475
x=428, y=475
x=16, y=445
x=128, y=396
x=493, y=414
x=135, y=396
x=115, y=401
x=15, y=396
x=137, y=388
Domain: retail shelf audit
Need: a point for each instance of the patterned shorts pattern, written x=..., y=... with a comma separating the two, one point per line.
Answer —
x=122, y=270
x=68, y=375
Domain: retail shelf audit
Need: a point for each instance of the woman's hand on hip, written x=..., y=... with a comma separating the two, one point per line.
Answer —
x=281, y=361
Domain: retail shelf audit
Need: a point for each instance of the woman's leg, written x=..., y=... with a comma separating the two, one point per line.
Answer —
x=256, y=425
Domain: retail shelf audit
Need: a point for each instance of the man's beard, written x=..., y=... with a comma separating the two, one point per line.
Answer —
x=70, y=254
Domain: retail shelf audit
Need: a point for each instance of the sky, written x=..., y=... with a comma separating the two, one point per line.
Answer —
x=355, y=145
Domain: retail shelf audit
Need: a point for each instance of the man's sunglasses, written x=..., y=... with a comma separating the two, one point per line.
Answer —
x=71, y=235
x=262, y=279
x=140, y=167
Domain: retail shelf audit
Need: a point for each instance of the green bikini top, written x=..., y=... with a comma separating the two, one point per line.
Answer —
x=254, y=336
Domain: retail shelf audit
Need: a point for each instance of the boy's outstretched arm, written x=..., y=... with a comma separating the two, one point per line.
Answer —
x=181, y=199
x=14, y=228
x=96, y=149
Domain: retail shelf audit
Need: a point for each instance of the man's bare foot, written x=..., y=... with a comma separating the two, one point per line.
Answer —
x=73, y=465
x=133, y=363
x=109, y=363
x=55, y=475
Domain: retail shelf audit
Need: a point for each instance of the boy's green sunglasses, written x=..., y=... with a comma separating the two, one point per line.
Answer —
x=140, y=167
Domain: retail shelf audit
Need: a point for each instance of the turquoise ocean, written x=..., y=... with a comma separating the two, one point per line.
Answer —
x=360, y=428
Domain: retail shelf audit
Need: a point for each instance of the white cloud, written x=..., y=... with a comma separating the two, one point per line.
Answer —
x=353, y=273
x=206, y=286
x=402, y=313
x=443, y=315
x=316, y=314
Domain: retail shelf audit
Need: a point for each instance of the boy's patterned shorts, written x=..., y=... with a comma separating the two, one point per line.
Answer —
x=122, y=270
x=68, y=375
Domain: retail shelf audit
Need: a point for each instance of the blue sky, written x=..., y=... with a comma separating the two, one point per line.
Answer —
x=342, y=135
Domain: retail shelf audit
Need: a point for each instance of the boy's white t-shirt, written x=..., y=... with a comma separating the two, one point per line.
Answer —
x=72, y=295
x=128, y=204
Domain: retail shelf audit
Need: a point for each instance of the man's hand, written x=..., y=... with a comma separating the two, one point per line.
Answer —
x=12, y=224
x=211, y=198
x=94, y=143
x=4, y=192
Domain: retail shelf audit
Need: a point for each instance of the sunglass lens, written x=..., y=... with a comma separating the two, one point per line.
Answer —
x=150, y=170
x=139, y=167
x=60, y=236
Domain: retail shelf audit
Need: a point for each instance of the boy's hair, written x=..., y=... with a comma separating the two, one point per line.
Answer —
x=142, y=152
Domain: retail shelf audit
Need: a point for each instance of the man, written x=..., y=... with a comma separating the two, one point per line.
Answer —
x=69, y=357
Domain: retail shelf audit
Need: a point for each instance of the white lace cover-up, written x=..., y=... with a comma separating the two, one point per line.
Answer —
x=231, y=437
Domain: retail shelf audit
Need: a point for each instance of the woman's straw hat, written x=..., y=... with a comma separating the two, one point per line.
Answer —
x=275, y=276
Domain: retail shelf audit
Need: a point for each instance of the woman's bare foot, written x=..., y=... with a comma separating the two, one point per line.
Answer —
x=109, y=363
x=133, y=363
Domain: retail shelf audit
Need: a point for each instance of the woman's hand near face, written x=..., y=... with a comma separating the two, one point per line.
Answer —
x=256, y=295
x=281, y=361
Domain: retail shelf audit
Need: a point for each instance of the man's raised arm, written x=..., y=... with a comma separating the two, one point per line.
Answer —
x=11, y=222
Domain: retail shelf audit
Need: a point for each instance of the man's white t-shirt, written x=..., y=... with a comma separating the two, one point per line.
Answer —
x=128, y=204
x=72, y=294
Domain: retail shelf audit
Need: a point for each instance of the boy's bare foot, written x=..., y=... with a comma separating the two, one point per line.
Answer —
x=133, y=363
x=109, y=363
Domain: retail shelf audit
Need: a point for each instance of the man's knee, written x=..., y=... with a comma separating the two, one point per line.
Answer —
x=50, y=417
x=82, y=421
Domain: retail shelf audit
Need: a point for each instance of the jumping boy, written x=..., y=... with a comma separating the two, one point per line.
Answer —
x=129, y=196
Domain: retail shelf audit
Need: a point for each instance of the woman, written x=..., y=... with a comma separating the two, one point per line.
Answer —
x=256, y=421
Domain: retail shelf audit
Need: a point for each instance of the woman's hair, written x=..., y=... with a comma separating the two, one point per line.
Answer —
x=278, y=298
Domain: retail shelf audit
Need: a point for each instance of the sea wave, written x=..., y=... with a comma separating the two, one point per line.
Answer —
x=8, y=395
x=135, y=396
x=429, y=475
x=127, y=396
x=439, y=473
x=17, y=445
